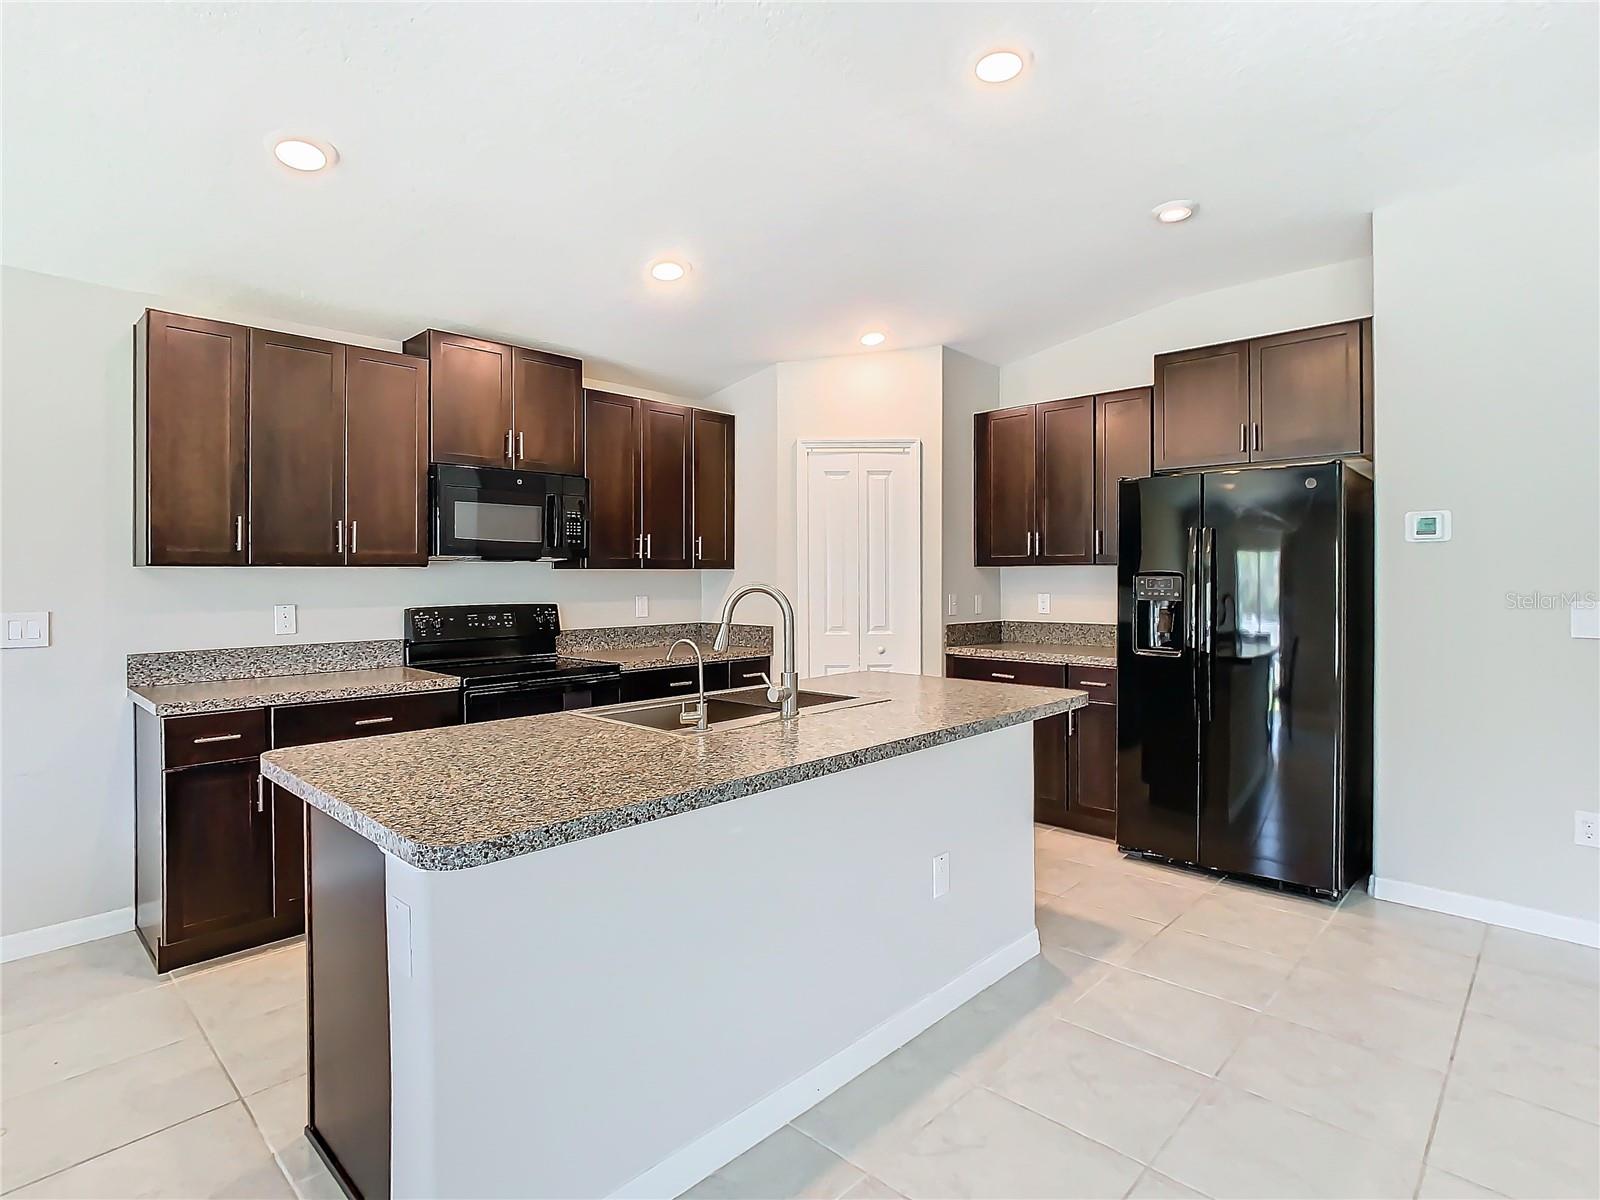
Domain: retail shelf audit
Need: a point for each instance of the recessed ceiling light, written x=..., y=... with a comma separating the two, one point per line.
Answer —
x=1174, y=211
x=999, y=66
x=667, y=271
x=875, y=338
x=301, y=154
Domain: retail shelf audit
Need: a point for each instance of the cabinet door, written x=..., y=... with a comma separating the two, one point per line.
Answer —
x=1092, y=771
x=288, y=854
x=1305, y=393
x=664, y=463
x=190, y=396
x=1051, y=747
x=713, y=490
x=1065, y=474
x=297, y=391
x=386, y=402
x=547, y=402
x=1202, y=407
x=469, y=398
x=611, y=461
x=1005, y=461
x=219, y=872
x=1122, y=451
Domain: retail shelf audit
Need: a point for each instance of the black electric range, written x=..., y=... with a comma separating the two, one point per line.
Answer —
x=506, y=657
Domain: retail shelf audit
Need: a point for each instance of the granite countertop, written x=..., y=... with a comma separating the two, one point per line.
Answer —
x=643, y=658
x=220, y=695
x=1069, y=654
x=461, y=796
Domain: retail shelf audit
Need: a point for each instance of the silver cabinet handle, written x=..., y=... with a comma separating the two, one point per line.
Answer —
x=238, y=532
x=1099, y=541
x=649, y=540
x=1069, y=722
x=374, y=720
x=681, y=683
x=508, y=445
x=999, y=675
x=352, y=537
x=1242, y=446
x=218, y=737
x=638, y=545
x=1256, y=428
x=338, y=536
x=261, y=799
x=699, y=547
x=520, y=454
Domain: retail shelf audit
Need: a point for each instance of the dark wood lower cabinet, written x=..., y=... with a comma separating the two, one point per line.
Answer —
x=1074, y=755
x=219, y=852
x=658, y=683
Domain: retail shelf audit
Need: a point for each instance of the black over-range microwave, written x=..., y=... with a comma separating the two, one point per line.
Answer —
x=492, y=512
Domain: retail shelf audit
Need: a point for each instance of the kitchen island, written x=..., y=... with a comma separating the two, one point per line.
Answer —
x=613, y=958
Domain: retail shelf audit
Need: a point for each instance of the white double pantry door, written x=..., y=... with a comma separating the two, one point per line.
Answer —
x=863, y=560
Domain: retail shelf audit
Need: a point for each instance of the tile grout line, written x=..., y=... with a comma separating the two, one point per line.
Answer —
x=1449, y=1069
x=122, y=1145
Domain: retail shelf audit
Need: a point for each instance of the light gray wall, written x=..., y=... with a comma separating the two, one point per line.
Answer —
x=970, y=386
x=1122, y=356
x=753, y=401
x=66, y=487
x=1488, y=404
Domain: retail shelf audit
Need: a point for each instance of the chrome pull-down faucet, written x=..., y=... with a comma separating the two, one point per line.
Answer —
x=786, y=691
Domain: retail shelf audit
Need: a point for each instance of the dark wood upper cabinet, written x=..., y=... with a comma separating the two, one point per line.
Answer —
x=386, y=444
x=611, y=461
x=190, y=439
x=470, y=398
x=297, y=397
x=712, y=449
x=1122, y=451
x=1006, y=459
x=1202, y=407
x=547, y=411
x=1305, y=393
x=1065, y=484
x=666, y=433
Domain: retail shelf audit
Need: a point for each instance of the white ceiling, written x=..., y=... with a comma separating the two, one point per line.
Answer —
x=826, y=169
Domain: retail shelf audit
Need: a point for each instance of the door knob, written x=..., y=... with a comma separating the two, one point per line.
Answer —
x=883, y=650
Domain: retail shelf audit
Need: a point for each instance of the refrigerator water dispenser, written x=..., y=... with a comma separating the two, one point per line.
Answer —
x=1158, y=614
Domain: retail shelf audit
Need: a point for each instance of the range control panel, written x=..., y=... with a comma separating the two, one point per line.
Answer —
x=465, y=622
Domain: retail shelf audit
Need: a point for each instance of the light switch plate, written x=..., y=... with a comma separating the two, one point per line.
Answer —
x=1044, y=602
x=641, y=606
x=954, y=608
x=977, y=604
x=284, y=622
x=26, y=630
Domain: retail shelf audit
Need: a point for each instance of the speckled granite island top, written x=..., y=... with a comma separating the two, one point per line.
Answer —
x=221, y=695
x=465, y=795
x=1041, y=652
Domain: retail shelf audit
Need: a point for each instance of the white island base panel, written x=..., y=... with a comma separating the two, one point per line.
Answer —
x=623, y=1015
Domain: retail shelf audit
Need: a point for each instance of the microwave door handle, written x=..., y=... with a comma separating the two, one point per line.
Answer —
x=551, y=523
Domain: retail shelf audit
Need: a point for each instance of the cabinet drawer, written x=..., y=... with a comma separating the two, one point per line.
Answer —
x=1099, y=682
x=336, y=720
x=662, y=681
x=1001, y=670
x=214, y=737
x=744, y=672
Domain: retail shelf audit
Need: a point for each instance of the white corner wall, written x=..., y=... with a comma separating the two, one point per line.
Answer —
x=66, y=488
x=753, y=401
x=1488, y=404
x=970, y=386
x=1122, y=356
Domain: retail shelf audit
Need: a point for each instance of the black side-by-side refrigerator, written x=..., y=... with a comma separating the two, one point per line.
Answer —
x=1244, y=662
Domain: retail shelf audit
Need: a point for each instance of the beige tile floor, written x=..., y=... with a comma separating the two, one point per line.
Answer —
x=1179, y=1036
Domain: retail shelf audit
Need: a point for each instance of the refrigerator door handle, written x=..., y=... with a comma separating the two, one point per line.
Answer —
x=1208, y=548
x=1191, y=571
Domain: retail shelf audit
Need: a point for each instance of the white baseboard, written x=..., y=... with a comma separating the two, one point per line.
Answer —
x=69, y=933
x=688, y=1166
x=1490, y=912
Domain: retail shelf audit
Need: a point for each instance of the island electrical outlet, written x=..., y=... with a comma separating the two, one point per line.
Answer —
x=941, y=874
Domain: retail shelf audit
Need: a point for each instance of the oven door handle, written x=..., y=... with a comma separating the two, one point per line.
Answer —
x=501, y=689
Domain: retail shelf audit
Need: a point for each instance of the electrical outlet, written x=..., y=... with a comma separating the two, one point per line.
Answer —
x=954, y=607
x=283, y=620
x=1044, y=602
x=641, y=606
x=1586, y=828
x=30, y=630
x=977, y=604
x=941, y=874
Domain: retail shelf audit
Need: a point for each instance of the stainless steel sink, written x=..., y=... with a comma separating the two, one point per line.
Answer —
x=724, y=710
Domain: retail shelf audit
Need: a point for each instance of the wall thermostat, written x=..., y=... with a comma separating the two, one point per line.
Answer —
x=1432, y=526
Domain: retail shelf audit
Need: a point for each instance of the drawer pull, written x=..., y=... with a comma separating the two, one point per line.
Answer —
x=218, y=737
x=681, y=683
x=374, y=720
x=1090, y=683
x=998, y=675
